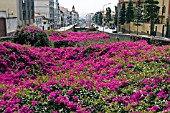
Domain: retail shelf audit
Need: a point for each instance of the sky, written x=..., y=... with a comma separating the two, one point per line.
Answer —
x=87, y=6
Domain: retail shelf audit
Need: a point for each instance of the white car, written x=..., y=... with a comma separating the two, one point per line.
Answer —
x=106, y=27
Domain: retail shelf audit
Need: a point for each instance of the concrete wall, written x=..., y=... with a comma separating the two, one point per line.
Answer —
x=3, y=14
x=11, y=25
x=42, y=7
x=9, y=6
x=161, y=4
x=143, y=29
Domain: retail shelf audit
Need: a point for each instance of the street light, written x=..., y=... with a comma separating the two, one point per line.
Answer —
x=10, y=13
x=103, y=12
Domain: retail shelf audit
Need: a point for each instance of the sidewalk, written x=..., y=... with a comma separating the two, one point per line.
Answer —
x=110, y=31
x=65, y=28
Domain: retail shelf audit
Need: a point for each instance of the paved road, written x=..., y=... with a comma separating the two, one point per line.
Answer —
x=65, y=28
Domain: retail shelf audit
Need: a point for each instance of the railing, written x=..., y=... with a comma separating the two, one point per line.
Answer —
x=157, y=40
x=133, y=37
x=5, y=37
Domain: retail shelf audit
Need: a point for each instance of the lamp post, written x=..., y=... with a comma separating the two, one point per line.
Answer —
x=9, y=13
x=103, y=12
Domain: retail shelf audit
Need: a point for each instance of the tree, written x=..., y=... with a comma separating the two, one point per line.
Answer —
x=138, y=16
x=129, y=13
x=116, y=16
x=100, y=18
x=122, y=14
x=108, y=14
x=95, y=18
x=152, y=11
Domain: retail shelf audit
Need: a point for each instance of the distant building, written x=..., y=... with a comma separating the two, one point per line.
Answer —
x=45, y=8
x=74, y=15
x=39, y=20
x=89, y=17
x=65, y=14
x=22, y=9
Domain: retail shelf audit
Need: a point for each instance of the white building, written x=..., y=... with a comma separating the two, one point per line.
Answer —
x=89, y=17
x=74, y=15
x=65, y=15
x=45, y=8
x=38, y=20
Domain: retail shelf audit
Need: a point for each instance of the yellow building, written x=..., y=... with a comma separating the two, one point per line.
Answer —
x=164, y=15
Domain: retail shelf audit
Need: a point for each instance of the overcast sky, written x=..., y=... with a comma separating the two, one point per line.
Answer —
x=87, y=6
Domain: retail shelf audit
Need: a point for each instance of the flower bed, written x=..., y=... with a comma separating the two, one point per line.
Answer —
x=119, y=77
x=70, y=39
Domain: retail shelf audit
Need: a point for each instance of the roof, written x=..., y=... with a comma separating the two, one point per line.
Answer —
x=74, y=12
x=37, y=15
x=63, y=9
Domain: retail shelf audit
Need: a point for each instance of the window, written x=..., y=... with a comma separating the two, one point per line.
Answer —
x=24, y=15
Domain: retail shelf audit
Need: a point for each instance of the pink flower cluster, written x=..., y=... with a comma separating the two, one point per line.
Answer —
x=79, y=36
x=131, y=75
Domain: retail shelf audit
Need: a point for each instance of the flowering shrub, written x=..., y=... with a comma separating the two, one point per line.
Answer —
x=91, y=29
x=119, y=77
x=31, y=35
x=53, y=33
x=70, y=39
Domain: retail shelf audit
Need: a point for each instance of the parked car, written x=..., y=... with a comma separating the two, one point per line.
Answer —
x=112, y=27
x=114, y=31
x=106, y=27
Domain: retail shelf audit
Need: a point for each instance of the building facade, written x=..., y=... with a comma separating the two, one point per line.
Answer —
x=38, y=20
x=45, y=8
x=164, y=11
x=22, y=9
x=74, y=15
x=65, y=14
x=8, y=24
x=56, y=15
x=163, y=27
x=89, y=17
